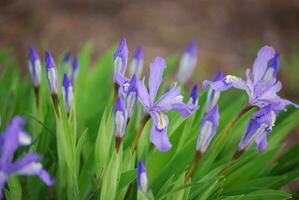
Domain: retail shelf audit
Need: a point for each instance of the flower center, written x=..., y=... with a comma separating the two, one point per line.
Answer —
x=161, y=122
x=230, y=79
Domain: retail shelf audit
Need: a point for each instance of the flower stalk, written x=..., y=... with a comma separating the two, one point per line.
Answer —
x=143, y=123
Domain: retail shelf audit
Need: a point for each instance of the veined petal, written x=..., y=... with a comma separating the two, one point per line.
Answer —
x=219, y=85
x=171, y=97
x=13, y=137
x=23, y=162
x=237, y=83
x=143, y=94
x=272, y=69
x=35, y=168
x=160, y=120
x=185, y=109
x=160, y=139
x=157, y=68
x=264, y=55
x=261, y=141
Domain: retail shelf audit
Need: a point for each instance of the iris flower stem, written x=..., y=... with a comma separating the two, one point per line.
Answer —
x=233, y=121
x=193, y=165
x=36, y=92
x=116, y=87
x=143, y=123
x=236, y=155
x=118, y=141
x=55, y=102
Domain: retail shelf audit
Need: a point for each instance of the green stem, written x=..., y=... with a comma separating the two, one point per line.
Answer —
x=143, y=123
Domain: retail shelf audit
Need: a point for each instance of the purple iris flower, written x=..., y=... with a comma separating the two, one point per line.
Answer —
x=259, y=126
x=131, y=96
x=120, y=118
x=74, y=72
x=67, y=91
x=137, y=63
x=35, y=67
x=187, y=63
x=123, y=83
x=66, y=59
x=213, y=95
x=51, y=73
x=142, y=180
x=208, y=129
x=263, y=87
x=194, y=95
x=13, y=137
x=171, y=100
x=121, y=57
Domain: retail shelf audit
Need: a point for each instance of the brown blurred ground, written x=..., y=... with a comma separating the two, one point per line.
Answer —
x=224, y=30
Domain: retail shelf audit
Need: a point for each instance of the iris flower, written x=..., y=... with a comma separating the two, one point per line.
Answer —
x=259, y=126
x=208, y=129
x=121, y=57
x=171, y=100
x=35, y=67
x=74, y=72
x=67, y=91
x=137, y=63
x=13, y=137
x=261, y=84
x=187, y=63
x=51, y=73
x=142, y=180
x=213, y=95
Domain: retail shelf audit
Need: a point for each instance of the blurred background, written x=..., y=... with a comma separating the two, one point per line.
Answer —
x=228, y=33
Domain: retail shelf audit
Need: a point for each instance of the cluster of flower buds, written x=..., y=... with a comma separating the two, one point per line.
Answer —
x=126, y=88
x=52, y=76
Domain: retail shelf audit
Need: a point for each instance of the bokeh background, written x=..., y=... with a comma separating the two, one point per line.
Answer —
x=228, y=33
